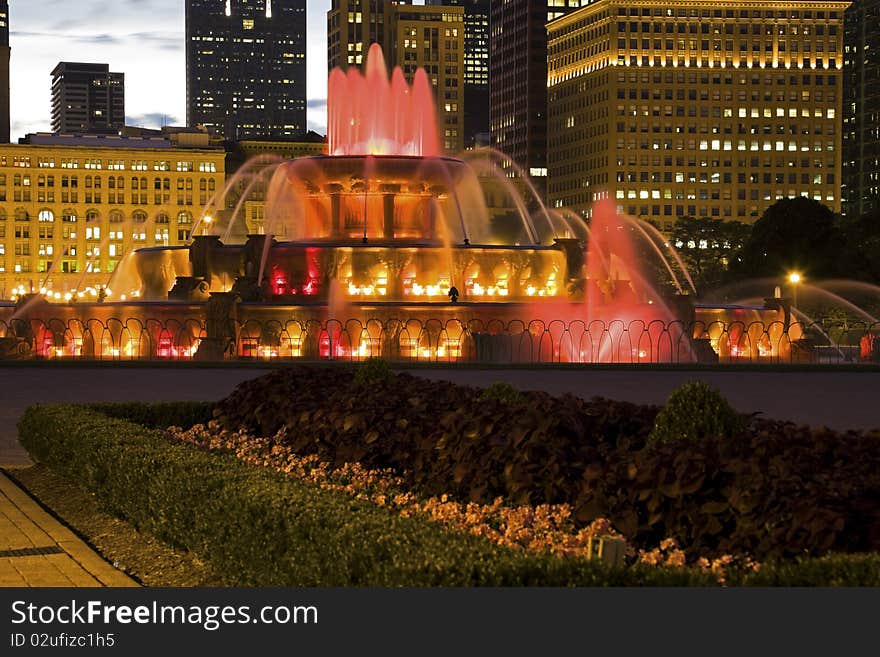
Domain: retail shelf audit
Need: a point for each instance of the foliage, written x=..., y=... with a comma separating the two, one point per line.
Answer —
x=862, y=237
x=777, y=490
x=829, y=570
x=538, y=528
x=695, y=411
x=261, y=528
x=443, y=436
x=707, y=245
x=793, y=234
x=373, y=370
x=158, y=415
x=501, y=392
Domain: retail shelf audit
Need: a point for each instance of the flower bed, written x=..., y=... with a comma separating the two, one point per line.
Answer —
x=541, y=528
x=259, y=527
x=322, y=525
x=770, y=490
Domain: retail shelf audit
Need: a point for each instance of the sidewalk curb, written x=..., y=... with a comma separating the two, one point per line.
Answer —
x=72, y=547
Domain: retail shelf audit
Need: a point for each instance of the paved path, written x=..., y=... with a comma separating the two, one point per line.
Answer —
x=37, y=550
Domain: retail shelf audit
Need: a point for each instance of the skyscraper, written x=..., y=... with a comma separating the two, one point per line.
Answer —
x=246, y=67
x=698, y=109
x=352, y=26
x=87, y=98
x=518, y=80
x=476, y=69
x=4, y=71
x=861, y=109
x=412, y=37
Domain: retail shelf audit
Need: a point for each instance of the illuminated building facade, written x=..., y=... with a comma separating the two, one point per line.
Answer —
x=690, y=108
x=476, y=69
x=72, y=207
x=861, y=121
x=518, y=80
x=352, y=26
x=246, y=67
x=250, y=189
x=4, y=71
x=87, y=98
x=412, y=37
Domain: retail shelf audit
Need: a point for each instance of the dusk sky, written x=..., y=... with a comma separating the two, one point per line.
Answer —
x=143, y=39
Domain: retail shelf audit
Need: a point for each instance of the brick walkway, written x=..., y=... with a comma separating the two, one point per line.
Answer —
x=37, y=550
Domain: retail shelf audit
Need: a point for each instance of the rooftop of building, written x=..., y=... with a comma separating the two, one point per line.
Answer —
x=131, y=137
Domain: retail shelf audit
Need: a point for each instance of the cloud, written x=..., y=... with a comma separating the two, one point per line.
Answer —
x=163, y=40
x=320, y=128
x=317, y=104
x=153, y=120
x=21, y=128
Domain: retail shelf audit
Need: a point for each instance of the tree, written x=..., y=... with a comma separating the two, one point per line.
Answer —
x=862, y=237
x=707, y=246
x=793, y=234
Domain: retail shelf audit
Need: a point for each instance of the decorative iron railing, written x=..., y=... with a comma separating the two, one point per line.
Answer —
x=445, y=341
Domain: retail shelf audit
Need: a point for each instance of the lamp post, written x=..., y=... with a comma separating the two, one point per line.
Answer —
x=794, y=278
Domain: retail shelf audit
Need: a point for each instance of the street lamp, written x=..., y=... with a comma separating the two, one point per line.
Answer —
x=794, y=278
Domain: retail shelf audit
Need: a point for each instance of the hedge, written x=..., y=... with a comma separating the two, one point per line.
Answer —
x=766, y=489
x=262, y=528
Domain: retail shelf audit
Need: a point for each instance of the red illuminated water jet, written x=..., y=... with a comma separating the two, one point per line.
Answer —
x=370, y=114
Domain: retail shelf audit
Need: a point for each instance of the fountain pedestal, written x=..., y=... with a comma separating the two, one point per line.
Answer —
x=201, y=255
x=189, y=288
x=221, y=314
x=247, y=289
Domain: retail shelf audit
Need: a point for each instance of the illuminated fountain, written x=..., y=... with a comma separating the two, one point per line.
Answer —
x=385, y=247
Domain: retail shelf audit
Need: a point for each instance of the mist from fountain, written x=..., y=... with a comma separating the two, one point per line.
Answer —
x=259, y=178
x=652, y=234
x=492, y=171
x=806, y=288
x=520, y=172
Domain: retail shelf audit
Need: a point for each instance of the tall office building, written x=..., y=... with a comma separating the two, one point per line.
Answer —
x=476, y=69
x=698, y=109
x=4, y=72
x=412, y=37
x=353, y=26
x=518, y=80
x=861, y=121
x=246, y=67
x=87, y=98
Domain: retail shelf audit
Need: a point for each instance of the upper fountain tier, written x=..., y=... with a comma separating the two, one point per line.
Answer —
x=368, y=114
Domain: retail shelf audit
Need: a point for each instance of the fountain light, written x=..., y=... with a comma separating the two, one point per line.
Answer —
x=795, y=279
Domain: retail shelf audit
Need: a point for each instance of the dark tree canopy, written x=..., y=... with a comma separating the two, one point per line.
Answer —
x=862, y=237
x=707, y=246
x=794, y=234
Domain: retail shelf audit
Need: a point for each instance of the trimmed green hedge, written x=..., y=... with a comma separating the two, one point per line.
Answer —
x=158, y=415
x=263, y=528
